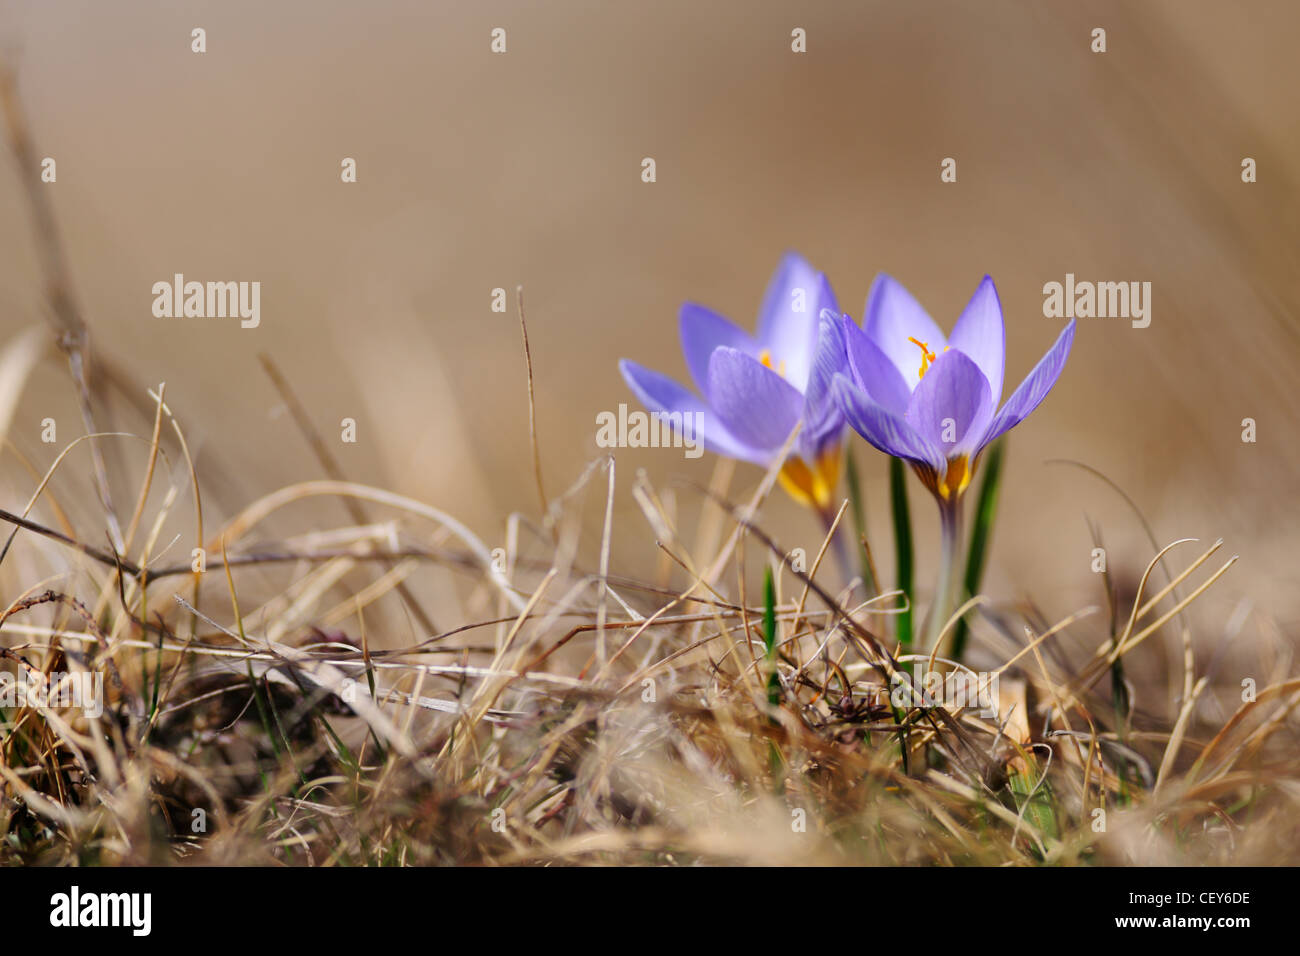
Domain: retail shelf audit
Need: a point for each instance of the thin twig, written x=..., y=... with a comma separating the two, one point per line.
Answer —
x=70, y=329
x=532, y=410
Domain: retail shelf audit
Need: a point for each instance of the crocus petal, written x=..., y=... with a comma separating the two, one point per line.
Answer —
x=1035, y=386
x=659, y=393
x=953, y=404
x=787, y=321
x=981, y=335
x=873, y=372
x=756, y=405
x=823, y=420
x=893, y=317
x=828, y=359
x=702, y=331
x=882, y=428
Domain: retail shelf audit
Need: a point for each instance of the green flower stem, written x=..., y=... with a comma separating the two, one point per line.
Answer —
x=769, y=638
x=950, y=550
x=858, y=511
x=986, y=509
x=902, y=520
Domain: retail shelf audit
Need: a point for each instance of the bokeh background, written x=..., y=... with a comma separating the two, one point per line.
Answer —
x=479, y=171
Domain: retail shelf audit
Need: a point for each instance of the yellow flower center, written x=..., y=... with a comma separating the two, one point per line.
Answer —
x=766, y=358
x=815, y=486
x=956, y=478
x=950, y=483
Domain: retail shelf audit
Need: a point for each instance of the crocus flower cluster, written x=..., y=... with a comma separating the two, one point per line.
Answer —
x=931, y=400
x=912, y=392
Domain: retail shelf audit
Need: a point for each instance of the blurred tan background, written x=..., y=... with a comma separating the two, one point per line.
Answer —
x=479, y=170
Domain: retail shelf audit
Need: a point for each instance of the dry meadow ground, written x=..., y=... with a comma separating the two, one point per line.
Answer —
x=471, y=635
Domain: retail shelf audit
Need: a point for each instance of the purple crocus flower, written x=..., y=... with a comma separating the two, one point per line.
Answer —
x=933, y=400
x=754, y=389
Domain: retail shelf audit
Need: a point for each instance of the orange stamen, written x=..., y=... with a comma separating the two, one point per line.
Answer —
x=926, y=355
